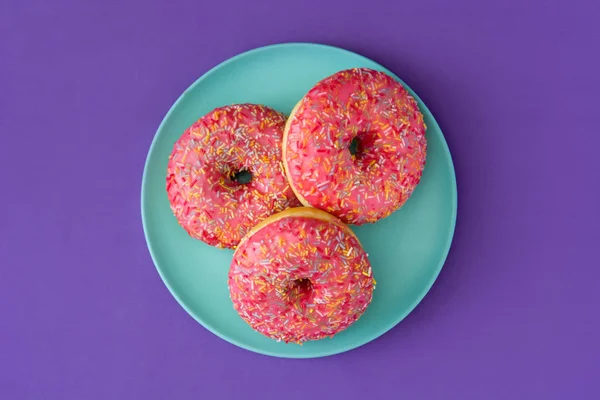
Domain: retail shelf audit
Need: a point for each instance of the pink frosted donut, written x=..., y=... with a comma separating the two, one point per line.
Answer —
x=300, y=275
x=355, y=146
x=225, y=173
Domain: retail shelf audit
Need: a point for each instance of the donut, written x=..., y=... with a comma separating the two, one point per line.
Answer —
x=355, y=146
x=300, y=275
x=225, y=173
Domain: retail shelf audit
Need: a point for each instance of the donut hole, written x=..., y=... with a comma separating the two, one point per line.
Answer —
x=242, y=177
x=300, y=290
x=363, y=149
x=355, y=147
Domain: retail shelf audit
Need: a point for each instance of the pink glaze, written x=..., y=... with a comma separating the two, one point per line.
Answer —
x=207, y=202
x=300, y=279
x=376, y=110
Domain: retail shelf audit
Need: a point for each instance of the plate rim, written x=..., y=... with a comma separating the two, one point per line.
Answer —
x=209, y=327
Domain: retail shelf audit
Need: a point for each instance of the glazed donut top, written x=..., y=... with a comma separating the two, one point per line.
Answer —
x=300, y=275
x=367, y=110
x=205, y=196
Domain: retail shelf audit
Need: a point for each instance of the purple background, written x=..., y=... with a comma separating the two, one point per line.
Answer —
x=514, y=86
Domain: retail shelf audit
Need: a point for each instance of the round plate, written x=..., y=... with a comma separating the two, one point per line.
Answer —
x=407, y=249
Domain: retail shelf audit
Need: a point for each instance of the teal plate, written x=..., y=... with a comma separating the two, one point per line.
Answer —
x=407, y=249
